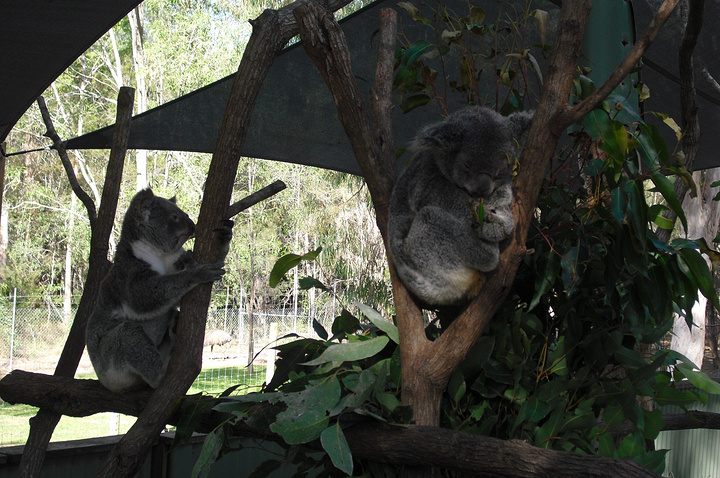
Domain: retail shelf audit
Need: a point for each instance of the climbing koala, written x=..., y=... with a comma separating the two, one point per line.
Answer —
x=131, y=333
x=460, y=167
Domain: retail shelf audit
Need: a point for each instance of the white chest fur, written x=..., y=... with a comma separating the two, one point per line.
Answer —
x=160, y=261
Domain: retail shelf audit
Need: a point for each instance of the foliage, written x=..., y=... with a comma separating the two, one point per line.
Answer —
x=471, y=55
x=319, y=387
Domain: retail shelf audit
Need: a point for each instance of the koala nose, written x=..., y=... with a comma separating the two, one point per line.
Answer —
x=191, y=227
x=481, y=186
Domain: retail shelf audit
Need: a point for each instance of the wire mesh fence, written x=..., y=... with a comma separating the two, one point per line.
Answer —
x=33, y=333
x=237, y=350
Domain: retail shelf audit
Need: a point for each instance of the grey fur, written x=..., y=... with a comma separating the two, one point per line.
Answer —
x=131, y=333
x=439, y=248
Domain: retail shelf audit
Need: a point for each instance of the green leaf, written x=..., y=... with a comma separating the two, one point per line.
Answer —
x=209, y=454
x=545, y=278
x=456, y=386
x=351, y=351
x=653, y=460
x=665, y=187
x=307, y=283
x=306, y=415
x=700, y=274
x=653, y=424
x=388, y=400
x=619, y=204
x=336, y=446
x=361, y=389
x=536, y=410
x=414, y=101
x=191, y=416
x=380, y=322
x=655, y=215
x=699, y=379
x=345, y=323
x=545, y=433
x=319, y=329
x=632, y=445
x=287, y=262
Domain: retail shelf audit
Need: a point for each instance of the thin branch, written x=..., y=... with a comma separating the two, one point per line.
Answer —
x=256, y=197
x=44, y=423
x=59, y=146
x=572, y=115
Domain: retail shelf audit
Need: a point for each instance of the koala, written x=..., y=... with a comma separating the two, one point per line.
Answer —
x=439, y=245
x=131, y=333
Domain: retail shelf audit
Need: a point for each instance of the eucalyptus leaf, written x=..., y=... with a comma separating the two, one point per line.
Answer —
x=380, y=322
x=306, y=415
x=336, y=446
x=209, y=453
x=699, y=379
x=287, y=262
x=351, y=351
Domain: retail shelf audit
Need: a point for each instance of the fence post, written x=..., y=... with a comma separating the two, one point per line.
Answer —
x=12, y=329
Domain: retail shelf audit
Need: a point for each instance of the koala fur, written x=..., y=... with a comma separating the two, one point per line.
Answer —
x=131, y=333
x=438, y=245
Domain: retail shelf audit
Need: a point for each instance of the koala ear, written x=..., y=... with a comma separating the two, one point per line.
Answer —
x=442, y=136
x=143, y=199
x=520, y=124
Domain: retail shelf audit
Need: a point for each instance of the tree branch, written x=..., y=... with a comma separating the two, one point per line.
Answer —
x=256, y=197
x=59, y=146
x=572, y=115
x=439, y=360
x=688, y=104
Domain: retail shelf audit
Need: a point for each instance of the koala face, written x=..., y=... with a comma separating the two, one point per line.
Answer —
x=158, y=221
x=473, y=147
x=166, y=216
x=478, y=169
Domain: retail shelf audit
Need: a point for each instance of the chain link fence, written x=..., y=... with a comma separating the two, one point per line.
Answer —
x=33, y=332
x=236, y=353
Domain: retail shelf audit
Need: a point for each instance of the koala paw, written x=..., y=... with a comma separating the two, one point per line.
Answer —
x=210, y=272
x=185, y=261
x=224, y=230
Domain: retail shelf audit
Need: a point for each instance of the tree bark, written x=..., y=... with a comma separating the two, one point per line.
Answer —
x=44, y=423
x=271, y=32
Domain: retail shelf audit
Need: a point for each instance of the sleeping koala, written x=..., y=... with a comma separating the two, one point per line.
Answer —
x=460, y=166
x=131, y=333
